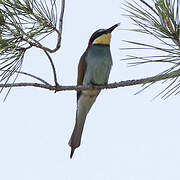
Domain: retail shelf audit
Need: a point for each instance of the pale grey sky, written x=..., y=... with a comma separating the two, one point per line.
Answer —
x=126, y=137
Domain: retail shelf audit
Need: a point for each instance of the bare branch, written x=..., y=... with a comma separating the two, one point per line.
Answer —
x=30, y=75
x=61, y=15
x=153, y=79
x=33, y=76
x=53, y=67
x=38, y=44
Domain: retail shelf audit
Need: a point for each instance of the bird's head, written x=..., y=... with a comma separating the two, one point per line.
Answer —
x=102, y=36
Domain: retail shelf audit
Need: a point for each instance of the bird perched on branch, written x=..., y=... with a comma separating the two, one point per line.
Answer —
x=93, y=69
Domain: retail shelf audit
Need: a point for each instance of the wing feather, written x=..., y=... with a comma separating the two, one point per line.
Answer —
x=81, y=71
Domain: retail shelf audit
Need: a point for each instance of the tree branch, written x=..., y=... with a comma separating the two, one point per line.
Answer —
x=33, y=42
x=153, y=79
x=53, y=68
x=61, y=15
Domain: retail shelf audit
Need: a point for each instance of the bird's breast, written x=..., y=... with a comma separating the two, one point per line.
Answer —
x=99, y=54
x=99, y=62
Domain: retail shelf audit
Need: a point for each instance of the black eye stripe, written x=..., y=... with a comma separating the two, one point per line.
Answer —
x=100, y=32
x=97, y=34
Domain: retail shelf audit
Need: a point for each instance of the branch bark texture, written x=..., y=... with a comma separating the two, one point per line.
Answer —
x=126, y=83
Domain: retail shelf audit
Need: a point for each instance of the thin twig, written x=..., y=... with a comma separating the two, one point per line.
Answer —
x=33, y=76
x=61, y=15
x=38, y=44
x=53, y=68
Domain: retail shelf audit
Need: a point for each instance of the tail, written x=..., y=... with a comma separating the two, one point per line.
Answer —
x=72, y=152
x=85, y=103
x=75, y=139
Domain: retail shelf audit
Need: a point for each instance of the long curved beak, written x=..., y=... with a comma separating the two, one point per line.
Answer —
x=109, y=30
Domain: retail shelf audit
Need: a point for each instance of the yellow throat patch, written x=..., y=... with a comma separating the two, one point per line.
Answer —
x=104, y=39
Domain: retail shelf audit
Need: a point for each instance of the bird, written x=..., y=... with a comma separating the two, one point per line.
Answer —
x=93, y=69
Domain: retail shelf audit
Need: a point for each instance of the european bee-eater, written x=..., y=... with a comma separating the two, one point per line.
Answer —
x=93, y=69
